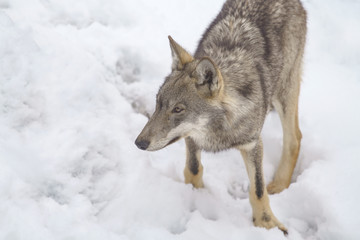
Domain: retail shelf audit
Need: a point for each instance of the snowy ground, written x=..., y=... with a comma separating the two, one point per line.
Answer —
x=77, y=77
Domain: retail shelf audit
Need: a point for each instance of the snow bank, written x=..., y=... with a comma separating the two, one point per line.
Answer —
x=78, y=78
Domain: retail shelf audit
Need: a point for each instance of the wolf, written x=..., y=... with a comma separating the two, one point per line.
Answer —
x=248, y=61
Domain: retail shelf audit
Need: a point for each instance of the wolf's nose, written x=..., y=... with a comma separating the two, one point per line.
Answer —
x=143, y=144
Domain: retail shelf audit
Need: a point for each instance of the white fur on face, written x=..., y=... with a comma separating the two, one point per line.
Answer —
x=196, y=130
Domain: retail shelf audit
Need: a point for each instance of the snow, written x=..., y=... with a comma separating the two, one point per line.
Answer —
x=78, y=78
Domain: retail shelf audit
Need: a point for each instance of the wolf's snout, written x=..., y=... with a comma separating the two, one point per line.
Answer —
x=142, y=144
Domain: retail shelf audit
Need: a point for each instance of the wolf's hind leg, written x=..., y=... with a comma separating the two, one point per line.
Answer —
x=287, y=107
x=193, y=171
x=259, y=199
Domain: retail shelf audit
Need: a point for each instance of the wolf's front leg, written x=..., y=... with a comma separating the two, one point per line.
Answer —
x=193, y=171
x=262, y=213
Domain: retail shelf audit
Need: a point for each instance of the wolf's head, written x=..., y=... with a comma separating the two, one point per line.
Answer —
x=183, y=101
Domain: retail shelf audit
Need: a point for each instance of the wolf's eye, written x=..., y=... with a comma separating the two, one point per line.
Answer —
x=177, y=110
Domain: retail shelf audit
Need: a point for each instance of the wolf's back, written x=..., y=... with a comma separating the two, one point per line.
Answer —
x=253, y=30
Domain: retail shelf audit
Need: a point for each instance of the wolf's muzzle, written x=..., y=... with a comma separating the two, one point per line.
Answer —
x=142, y=144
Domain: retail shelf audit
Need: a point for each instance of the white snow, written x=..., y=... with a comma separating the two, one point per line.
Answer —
x=77, y=78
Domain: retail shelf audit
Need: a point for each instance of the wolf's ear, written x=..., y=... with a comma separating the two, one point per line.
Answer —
x=208, y=79
x=180, y=56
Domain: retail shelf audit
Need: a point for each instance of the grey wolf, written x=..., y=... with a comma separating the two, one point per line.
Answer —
x=247, y=61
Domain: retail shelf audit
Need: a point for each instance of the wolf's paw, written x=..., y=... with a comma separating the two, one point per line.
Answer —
x=276, y=187
x=198, y=184
x=269, y=221
x=195, y=180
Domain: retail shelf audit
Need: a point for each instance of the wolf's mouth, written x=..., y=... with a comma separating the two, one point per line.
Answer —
x=173, y=140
